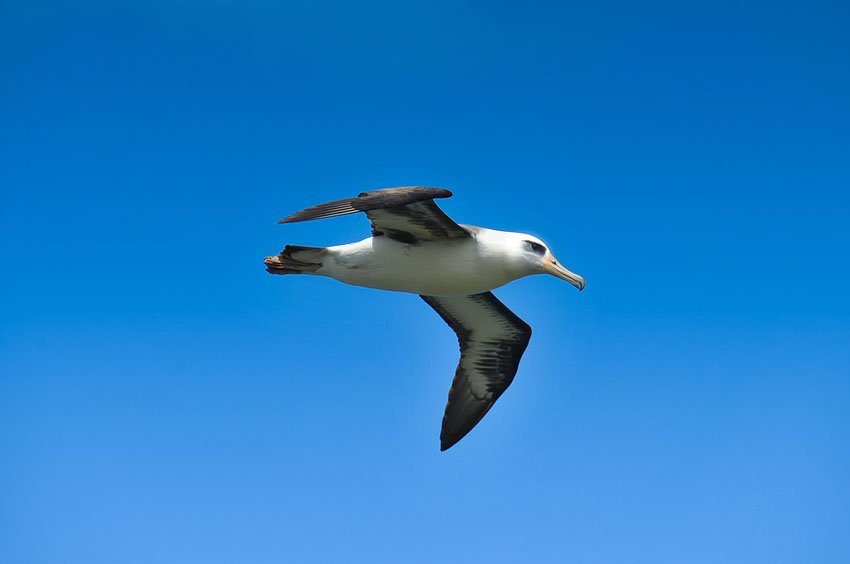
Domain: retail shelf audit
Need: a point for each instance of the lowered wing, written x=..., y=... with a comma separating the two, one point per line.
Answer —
x=492, y=339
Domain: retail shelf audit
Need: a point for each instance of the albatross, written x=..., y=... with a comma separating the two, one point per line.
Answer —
x=416, y=248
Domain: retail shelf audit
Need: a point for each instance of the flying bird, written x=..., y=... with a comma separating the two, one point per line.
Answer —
x=416, y=248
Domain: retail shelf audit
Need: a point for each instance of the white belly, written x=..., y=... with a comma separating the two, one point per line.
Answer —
x=455, y=267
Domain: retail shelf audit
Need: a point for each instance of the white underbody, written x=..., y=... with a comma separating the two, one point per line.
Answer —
x=435, y=268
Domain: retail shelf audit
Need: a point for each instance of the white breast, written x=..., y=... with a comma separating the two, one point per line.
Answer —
x=450, y=267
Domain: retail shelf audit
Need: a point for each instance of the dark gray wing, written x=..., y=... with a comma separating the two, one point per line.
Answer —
x=407, y=214
x=492, y=339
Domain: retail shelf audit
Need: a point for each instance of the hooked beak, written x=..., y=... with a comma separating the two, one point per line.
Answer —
x=553, y=267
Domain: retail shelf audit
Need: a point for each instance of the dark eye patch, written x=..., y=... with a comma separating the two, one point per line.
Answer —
x=536, y=248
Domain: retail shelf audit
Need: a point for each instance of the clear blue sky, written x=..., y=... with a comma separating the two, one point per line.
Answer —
x=164, y=400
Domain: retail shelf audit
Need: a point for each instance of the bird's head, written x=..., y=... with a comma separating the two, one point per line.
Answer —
x=538, y=259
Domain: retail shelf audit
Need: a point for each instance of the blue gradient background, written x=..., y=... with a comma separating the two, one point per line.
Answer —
x=163, y=399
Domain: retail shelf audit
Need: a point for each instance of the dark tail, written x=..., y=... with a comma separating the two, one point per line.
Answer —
x=294, y=259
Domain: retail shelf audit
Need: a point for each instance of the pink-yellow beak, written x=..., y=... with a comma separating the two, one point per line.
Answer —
x=553, y=267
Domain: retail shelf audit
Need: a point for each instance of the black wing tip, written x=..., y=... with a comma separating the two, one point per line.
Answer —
x=290, y=219
x=446, y=444
x=335, y=208
x=449, y=438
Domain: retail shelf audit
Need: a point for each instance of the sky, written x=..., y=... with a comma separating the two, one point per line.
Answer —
x=164, y=400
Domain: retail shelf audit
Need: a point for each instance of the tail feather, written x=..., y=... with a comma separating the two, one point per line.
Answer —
x=295, y=259
x=304, y=254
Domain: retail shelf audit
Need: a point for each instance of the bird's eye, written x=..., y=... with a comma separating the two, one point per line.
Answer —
x=536, y=248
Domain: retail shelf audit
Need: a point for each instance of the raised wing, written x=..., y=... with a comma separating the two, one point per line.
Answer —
x=492, y=339
x=407, y=214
